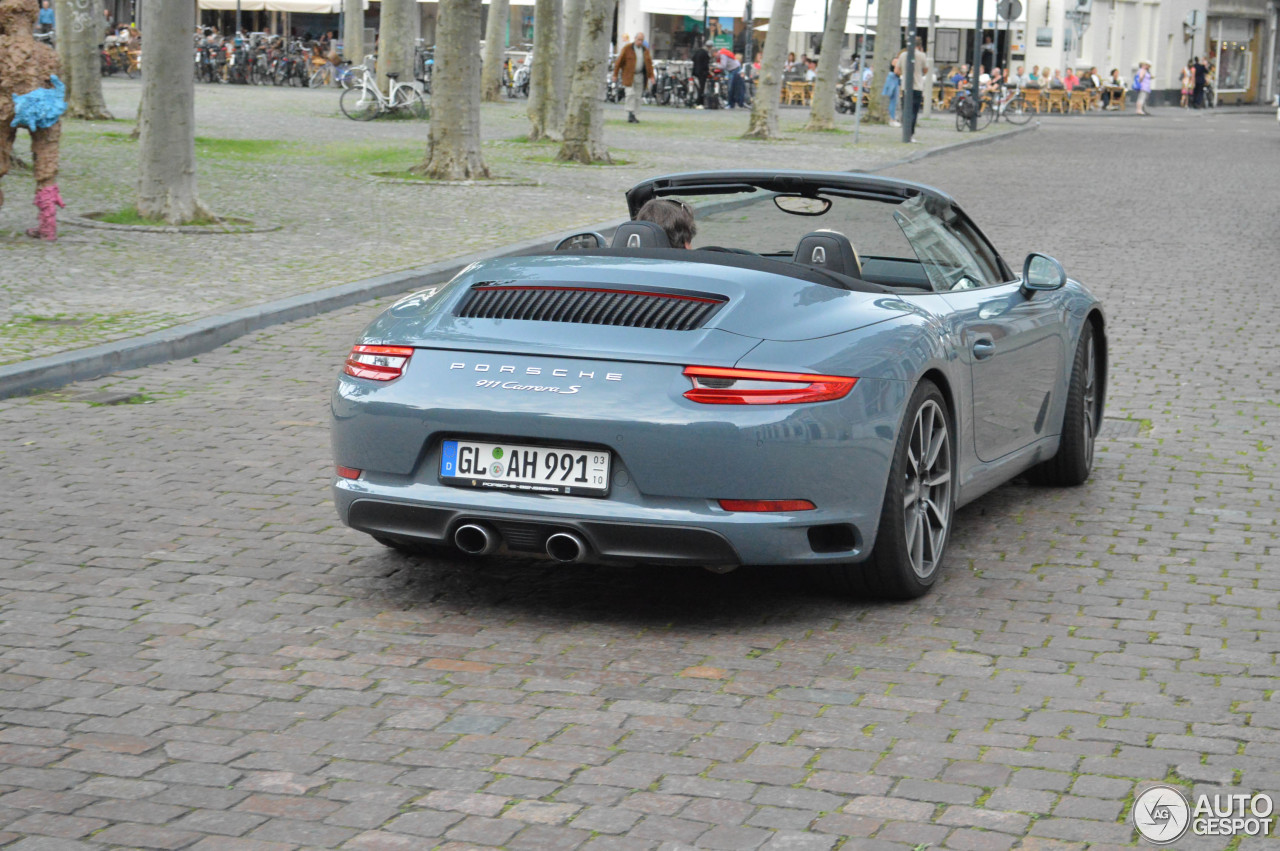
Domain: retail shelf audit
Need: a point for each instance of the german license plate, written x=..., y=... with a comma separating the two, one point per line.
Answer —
x=570, y=470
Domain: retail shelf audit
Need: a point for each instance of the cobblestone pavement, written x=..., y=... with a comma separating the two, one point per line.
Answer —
x=288, y=157
x=193, y=655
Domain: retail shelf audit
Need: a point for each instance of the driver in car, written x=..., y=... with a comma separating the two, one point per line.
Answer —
x=672, y=216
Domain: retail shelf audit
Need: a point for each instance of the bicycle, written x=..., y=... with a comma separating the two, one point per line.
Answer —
x=366, y=101
x=1011, y=105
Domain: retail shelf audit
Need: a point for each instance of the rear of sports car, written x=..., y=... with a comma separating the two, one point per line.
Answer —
x=615, y=411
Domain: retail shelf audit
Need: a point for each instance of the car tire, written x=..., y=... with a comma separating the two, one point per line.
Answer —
x=1073, y=462
x=918, y=509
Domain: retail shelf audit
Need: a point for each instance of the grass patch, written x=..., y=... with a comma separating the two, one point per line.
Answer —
x=130, y=216
x=363, y=156
x=211, y=147
x=404, y=175
x=524, y=140
x=597, y=163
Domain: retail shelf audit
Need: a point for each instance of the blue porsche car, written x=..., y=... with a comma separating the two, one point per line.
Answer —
x=820, y=377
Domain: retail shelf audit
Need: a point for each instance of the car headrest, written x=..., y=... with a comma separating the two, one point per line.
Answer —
x=640, y=235
x=829, y=251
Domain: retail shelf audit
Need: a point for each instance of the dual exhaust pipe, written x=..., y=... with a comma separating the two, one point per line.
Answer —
x=479, y=540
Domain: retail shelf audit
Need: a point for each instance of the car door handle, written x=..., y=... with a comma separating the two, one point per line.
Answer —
x=983, y=349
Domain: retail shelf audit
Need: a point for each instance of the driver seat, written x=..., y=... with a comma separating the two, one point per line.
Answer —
x=639, y=234
x=828, y=251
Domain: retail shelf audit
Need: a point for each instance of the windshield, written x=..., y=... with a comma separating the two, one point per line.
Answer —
x=753, y=222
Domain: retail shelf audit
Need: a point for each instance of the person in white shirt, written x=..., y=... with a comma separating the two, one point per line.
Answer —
x=919, y=72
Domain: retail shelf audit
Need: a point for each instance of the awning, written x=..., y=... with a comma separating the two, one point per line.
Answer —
x=301, y=7
x=815, y=24
x=951, y=13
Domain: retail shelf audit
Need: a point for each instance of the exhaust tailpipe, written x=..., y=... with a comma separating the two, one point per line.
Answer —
x=474, y=539
x=566, y=547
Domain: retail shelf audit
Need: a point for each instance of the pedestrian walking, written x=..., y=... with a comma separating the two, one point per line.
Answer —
x=632, y=68
x=1187, y=82
x=44, y=22
x=701, y=70
x=1142, y=85
x=920, y=70
x=1201, y=76
x=892, y=89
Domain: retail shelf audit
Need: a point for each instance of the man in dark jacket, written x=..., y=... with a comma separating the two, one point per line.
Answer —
x=701, y=70
x=632, y=68
x=1201, y=77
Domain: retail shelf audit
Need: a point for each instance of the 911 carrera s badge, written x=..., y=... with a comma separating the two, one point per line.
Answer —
x=533, y=388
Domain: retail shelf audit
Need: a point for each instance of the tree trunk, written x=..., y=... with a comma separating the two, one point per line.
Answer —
x=495, y=42
x=764, y=112
x=567, y=58
x=453, y=152
x=888, y=45
x=167, y=146
x=396, y=30
x=353, y=31
x=84, y=29
x=542, y=86
x=558, y=80
x=822, y=109
x=62, y=12
x=584, y=119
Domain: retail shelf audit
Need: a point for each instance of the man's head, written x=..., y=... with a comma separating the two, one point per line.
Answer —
x=1021, y=70
x=639, y=38
x=672, y=216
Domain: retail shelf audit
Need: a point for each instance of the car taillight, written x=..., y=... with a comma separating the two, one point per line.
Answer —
x=346, y=472
x=766, y=505
x=714, y=385
x=379, y=363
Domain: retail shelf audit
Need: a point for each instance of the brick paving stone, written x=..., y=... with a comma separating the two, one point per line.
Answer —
x=484, y=831
x=912, y=832
x=733, y=838
x=144, y=836
x=794, y=840
x=61, y=826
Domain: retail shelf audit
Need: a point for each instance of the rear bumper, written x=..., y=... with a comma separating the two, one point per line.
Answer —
x=607, y=541
x=678, y=532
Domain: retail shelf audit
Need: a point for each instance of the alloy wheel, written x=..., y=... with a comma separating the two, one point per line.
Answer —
x=1090, y=406
x=927, y=493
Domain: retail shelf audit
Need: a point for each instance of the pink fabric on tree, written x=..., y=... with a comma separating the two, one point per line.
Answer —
x=48, y=200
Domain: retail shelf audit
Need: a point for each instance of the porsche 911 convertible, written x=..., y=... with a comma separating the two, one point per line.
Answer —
x=836, y=364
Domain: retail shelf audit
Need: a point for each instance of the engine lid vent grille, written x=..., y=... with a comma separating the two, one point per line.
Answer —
x=667, y=311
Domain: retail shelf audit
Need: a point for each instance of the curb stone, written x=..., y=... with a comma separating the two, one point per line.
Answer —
x=203, y=335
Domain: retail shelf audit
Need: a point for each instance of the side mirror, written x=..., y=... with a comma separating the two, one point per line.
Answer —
x=1041, y=272
x=581, y=242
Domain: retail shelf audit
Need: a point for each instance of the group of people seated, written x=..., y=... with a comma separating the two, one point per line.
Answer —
x=1039, y=79
x=805, y=68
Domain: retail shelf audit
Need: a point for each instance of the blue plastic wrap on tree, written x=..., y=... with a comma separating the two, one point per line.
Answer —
x=41, y=108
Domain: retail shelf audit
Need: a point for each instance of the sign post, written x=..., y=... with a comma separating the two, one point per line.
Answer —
x=909, y=81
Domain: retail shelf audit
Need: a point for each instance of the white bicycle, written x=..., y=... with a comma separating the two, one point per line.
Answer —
x=365, y=101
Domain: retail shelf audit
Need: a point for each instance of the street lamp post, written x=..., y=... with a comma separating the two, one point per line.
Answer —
x=975, y=70
x=909, y=81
